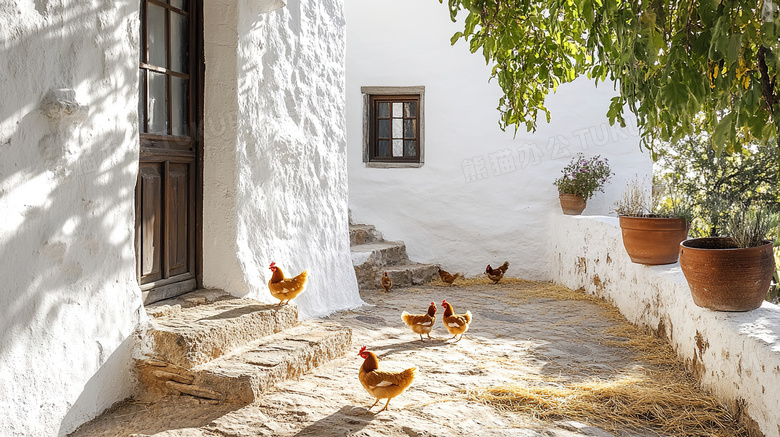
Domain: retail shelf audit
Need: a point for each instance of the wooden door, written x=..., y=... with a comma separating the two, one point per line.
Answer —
x=169, y=111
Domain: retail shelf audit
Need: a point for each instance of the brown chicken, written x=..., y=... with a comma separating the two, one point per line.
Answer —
x=286, y=289
x=494, y=275
x=387, y=284
x=383, y=384
x=421, y=323
x=448, y=278
x=457, y=324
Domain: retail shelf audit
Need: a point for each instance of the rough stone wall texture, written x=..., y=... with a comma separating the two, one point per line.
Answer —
x=482, y=195
x=736, y=356
x=69, y=302
x=278, y=171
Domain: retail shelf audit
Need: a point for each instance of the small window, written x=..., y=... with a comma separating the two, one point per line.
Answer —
x=393, y=128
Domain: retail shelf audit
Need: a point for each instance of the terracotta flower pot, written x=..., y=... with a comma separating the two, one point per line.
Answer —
x=571, y=204
x=723, y=277
x=653, y=240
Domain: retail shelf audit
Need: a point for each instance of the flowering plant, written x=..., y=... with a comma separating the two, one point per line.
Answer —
x=584, y=176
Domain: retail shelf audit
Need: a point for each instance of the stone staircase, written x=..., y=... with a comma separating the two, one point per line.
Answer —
x=372, y=256
x=219, y=348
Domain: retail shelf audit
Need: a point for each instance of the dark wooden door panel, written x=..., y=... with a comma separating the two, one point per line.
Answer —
x=150, y=181
x=178, y=204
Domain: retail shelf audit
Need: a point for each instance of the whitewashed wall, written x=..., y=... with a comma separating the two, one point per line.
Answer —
x=482, y=195
x=275, y=186
x=275, y=167
x=69, y=302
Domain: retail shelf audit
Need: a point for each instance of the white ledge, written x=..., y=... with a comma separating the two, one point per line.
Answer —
x=735, y=356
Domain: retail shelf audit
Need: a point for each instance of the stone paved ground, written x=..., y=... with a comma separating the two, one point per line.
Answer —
x=512, y=339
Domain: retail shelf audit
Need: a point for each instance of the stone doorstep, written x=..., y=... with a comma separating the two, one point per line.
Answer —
x=188, y=300
x=196, y=335
x=247, y=372
x=363, y=234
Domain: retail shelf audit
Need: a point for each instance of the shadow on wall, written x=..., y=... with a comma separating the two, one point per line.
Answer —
x=66, y=195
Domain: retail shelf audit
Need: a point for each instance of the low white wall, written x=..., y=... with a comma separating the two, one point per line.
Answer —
x=69, y=301
x=736, y=356
x=275, y=174
x=482, y=195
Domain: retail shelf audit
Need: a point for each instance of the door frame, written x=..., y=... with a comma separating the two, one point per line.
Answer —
x=169, y=287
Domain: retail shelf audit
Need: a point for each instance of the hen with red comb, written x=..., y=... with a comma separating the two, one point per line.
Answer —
x=382, y=384
x=421, y=323
x=286, y=289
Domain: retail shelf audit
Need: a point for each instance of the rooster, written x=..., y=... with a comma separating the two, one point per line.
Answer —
x=494, y=275
x=421, y=323
x=448, y=278
x=457, y=324
x=383, y=384
x=387, y=284
x=286, y=289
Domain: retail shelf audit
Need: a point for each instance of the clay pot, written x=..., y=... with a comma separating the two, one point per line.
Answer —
x=723, y=277
x=653, y=240
x=571, y=204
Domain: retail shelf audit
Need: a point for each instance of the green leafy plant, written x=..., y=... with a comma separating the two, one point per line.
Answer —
x=684, y=68
x=713, y=183
x=584, y=177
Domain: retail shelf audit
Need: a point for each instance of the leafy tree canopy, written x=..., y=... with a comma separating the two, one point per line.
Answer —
x=701, y=67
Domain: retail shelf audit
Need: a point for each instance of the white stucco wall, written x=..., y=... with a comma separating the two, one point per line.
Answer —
x=463, y=209
x=69, y=302
x=275, y=186
x=275, y=177
x=735, y=356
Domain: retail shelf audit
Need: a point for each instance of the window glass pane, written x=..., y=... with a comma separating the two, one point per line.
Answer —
x=398, y=131
x=141, y=100
x=409, y=130
x=155, y=32
x=410, y=109
x=397, y=109
x=157, y=104
x=179, y=106
x=384, y=129
x=181, y=4
x=383, y=109
x=409, y=148
x=398, y=147
x=179, y=43
x=383, y=150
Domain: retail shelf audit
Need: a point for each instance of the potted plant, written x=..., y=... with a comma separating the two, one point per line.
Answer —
x=731, y=273
x=652, y=225
x=580, y=181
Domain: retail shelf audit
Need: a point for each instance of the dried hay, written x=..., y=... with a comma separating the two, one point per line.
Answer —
x=479, y=280
x=666, y=406
x=659, y=396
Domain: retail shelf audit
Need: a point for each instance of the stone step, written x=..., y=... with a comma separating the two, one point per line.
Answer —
x=363, y=234
x=247, y=372
x=411, y=273
x=381, y=253
x=188, y=336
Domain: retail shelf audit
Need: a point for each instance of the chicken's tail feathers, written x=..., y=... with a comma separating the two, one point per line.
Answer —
x=504, y=267
x=405, y=316
x=468, y=316
x=302, y=279
x=457, y=275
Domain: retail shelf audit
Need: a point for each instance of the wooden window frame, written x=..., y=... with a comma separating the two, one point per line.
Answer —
x=375, y=94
